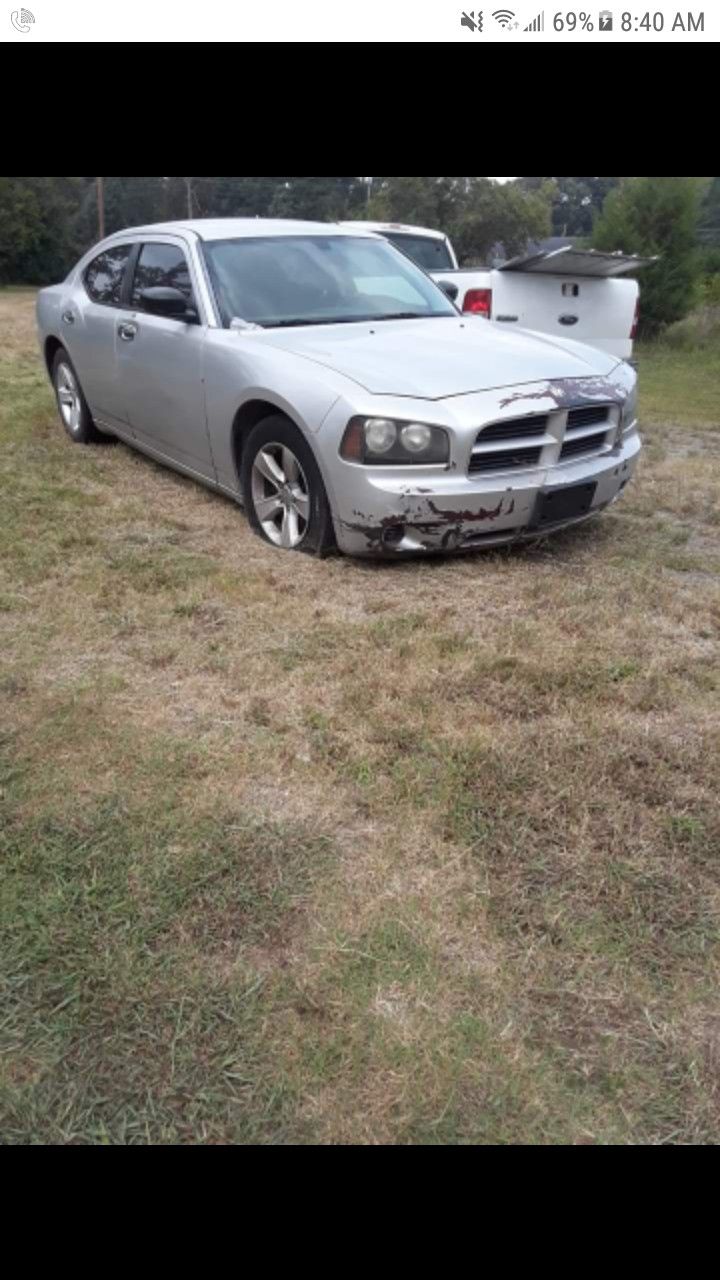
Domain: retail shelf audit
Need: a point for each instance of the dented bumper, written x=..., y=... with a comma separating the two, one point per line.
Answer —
x=391, y=517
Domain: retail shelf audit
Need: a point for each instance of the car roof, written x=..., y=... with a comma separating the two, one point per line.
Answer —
x=235, y=228
x=402, y=227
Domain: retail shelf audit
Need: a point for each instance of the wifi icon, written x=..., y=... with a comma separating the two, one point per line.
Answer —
x=504, y=17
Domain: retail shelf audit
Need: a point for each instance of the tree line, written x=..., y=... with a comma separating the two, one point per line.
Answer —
x=47, y=223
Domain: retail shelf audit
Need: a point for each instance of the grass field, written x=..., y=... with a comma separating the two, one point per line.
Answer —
x=328, y=851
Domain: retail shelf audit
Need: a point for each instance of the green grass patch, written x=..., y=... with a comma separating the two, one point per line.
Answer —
x=677, y=386
x=316, y=851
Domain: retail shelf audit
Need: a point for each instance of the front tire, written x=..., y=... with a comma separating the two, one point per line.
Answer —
x=72, y=405
x=283, y=491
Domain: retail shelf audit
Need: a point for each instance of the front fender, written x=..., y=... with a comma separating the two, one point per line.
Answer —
x=238, y=371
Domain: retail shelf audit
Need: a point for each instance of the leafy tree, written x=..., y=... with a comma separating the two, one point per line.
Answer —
x=656, y=216
x=46, y=223
x=491, y=215
x=426, y=202
x=709, y=220
x=575, y=201
x=319, y=199
x=129, y=202
x=476, y=213
x=38, y=234
x=226, y=197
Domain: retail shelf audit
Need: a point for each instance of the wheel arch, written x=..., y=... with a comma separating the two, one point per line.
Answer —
x=51, y=347
x=248, y=415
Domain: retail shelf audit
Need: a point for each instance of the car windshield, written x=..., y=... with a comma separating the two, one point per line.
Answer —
x=279, y=281
x=429, y=252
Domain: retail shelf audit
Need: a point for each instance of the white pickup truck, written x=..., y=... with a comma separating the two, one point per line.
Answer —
x=573, y=293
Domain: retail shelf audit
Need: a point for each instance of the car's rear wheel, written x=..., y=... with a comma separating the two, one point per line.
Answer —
x=283, y=490
x=72, y=405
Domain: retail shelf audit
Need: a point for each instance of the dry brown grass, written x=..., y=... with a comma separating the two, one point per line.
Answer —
x=406, y=853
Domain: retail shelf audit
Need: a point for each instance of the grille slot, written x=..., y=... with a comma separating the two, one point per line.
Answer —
x=525, y=438
x=504, y=459
x=588, y=416
x=582, y=444
x=516, y=428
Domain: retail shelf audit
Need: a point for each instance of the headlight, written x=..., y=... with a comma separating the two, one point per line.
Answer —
x=416, y=436
x=385, y=441
x=380, y=435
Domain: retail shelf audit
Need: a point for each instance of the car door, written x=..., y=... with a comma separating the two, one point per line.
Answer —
x=160, y=362
x=89, y=319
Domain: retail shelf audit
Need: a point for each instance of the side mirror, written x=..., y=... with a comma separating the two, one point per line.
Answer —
x=162, y=301
x=449, y=288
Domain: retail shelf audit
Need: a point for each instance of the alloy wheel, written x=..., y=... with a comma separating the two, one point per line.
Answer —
x=280, y=495
x=68, y=394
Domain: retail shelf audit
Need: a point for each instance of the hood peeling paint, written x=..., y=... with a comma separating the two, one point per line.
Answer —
x=572, y=393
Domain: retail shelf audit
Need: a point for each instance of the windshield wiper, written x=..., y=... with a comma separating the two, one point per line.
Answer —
x=300, y=320
x=412, y=315
x=294, y=321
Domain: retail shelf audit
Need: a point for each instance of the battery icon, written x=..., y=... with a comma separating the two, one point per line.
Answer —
x=605, y=20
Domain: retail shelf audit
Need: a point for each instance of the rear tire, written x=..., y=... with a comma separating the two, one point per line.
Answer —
x=283, y=491
x=72, y=405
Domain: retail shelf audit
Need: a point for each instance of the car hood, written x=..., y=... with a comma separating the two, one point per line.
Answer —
x=432, y=359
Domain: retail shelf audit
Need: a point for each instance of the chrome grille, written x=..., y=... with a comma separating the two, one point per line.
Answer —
x=517, y=443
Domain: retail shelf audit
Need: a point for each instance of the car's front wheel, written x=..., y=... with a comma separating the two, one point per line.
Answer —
x=283, y=490
x=71, y=402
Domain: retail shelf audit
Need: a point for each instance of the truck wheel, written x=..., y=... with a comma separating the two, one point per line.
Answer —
x=282, y=488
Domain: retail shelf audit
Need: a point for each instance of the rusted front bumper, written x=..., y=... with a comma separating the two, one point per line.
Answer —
x=461, y=513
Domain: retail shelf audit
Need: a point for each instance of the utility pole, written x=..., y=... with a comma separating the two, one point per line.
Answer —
x=100, y=207
x=188, y=189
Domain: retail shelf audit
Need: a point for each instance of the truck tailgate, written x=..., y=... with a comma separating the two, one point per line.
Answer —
x=598, y=311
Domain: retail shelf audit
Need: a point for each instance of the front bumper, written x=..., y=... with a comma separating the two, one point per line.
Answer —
x=391, y=517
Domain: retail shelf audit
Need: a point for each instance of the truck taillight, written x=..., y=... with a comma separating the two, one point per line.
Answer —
x=636, y=318
x=478, y=302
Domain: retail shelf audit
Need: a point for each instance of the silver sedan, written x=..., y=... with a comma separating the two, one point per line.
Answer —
x=320, y=378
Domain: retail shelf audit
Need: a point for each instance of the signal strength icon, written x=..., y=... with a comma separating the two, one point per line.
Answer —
x=537, y=24
x=504, y=17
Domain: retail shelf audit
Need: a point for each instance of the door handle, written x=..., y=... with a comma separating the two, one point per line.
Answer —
x=127, y=330
x=68, y=317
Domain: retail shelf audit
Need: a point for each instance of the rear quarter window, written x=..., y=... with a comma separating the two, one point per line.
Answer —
x=104, y=276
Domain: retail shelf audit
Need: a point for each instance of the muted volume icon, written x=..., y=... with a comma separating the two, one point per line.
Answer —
x=537, y=24
x=468, y=20
x=605, y=20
